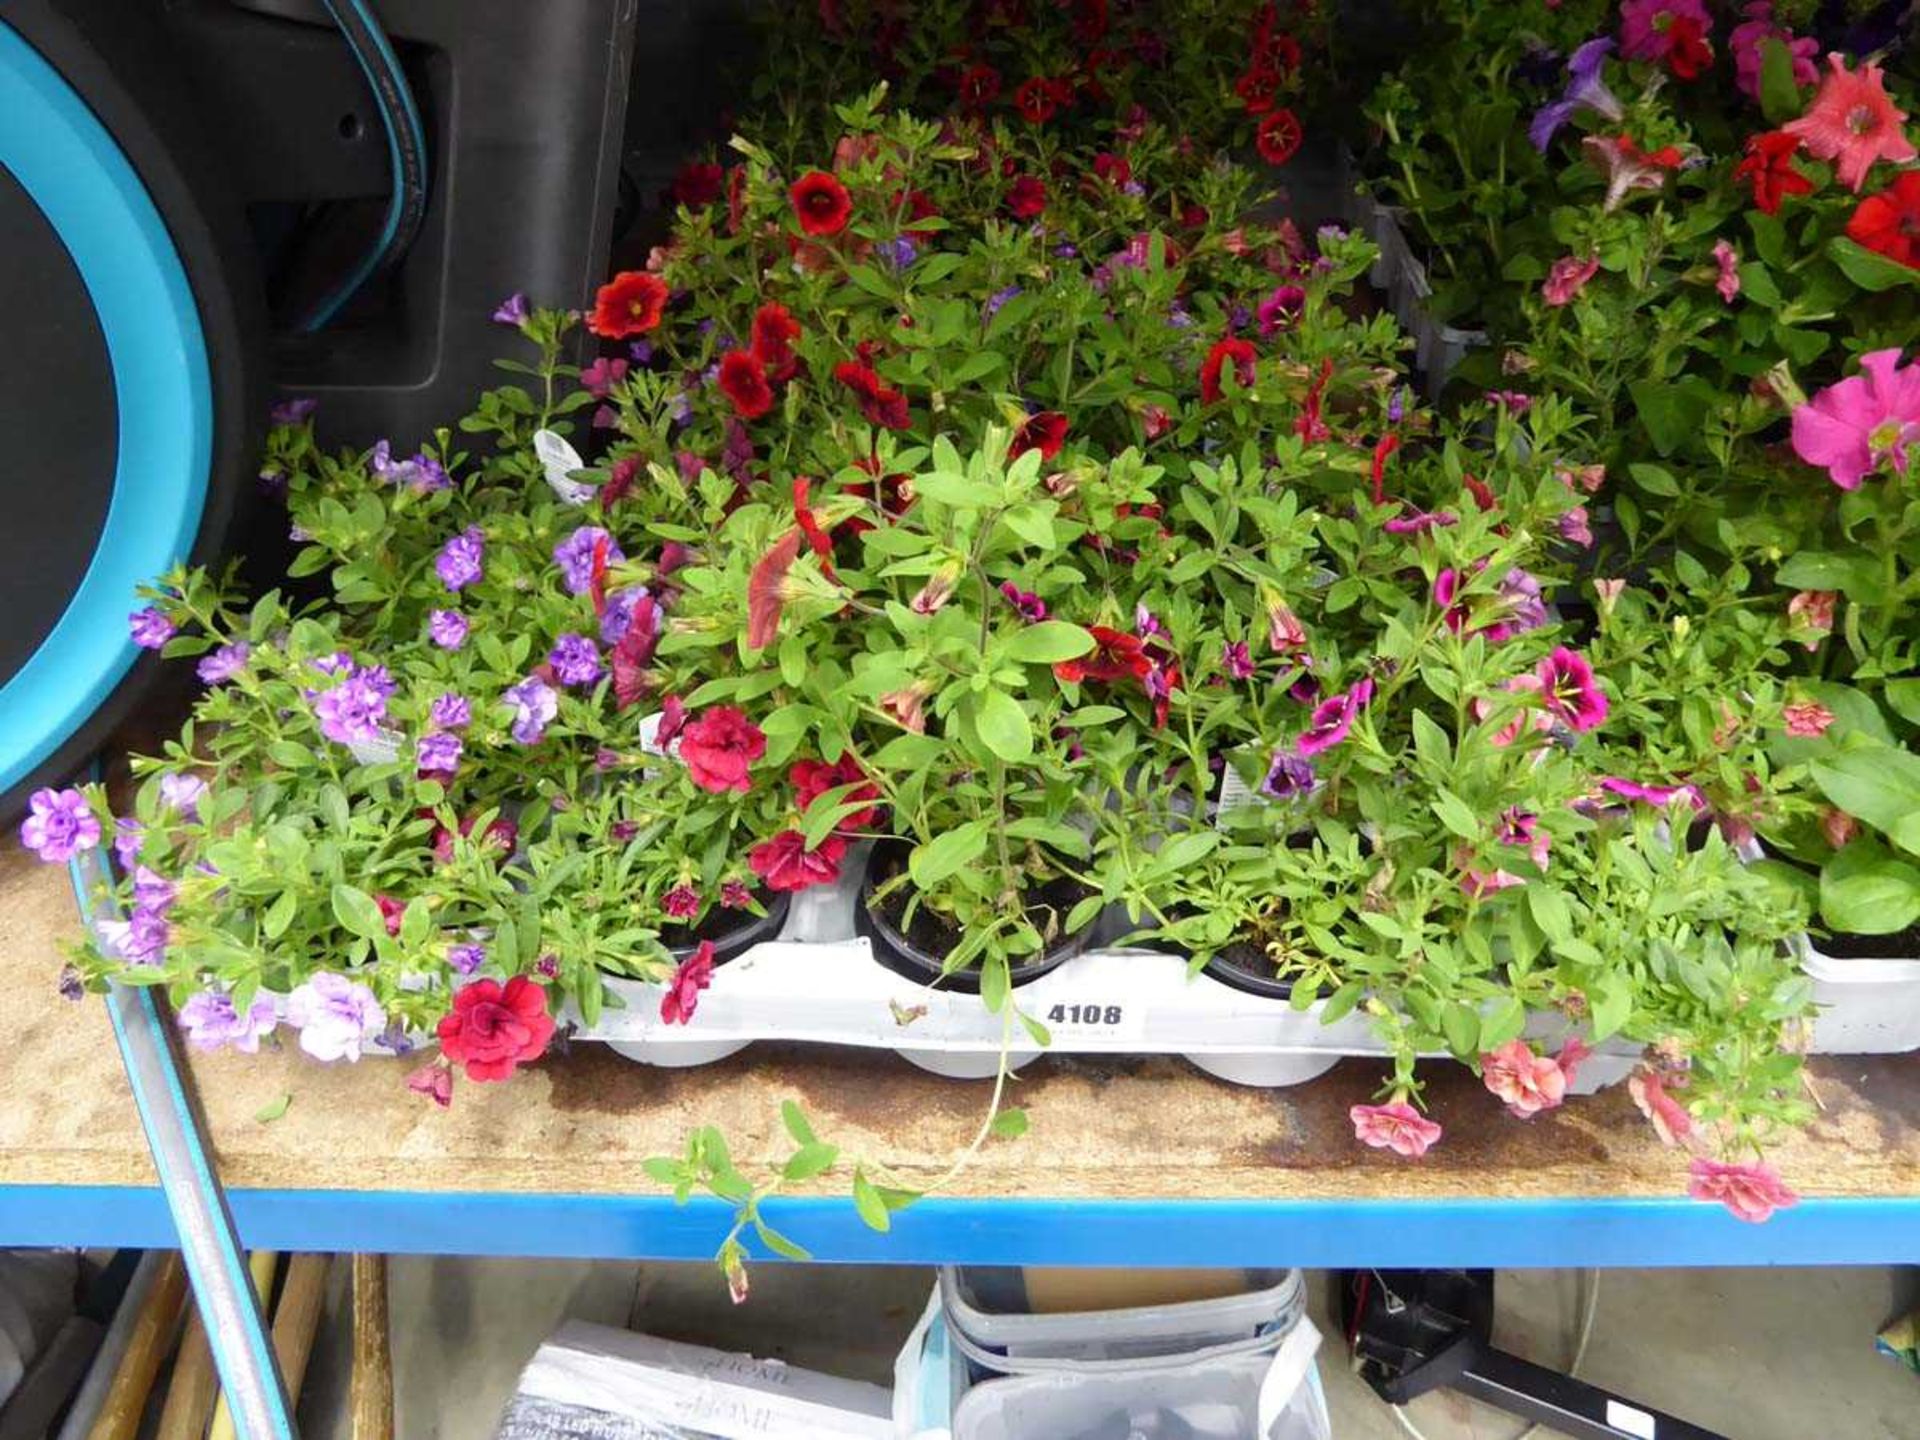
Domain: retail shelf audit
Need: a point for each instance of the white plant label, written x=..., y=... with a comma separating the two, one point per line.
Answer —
x=1634, y=1422
x=382, y=748
x=1094, y=1017
x=560, y=460
x=1234, y=794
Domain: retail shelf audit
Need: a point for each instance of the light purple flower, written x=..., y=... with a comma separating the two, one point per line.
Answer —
x=422, y=473
x=512, y=310
x=1146, y=624
x=535, y=703
x=575, y=660
x=352, y=711
x=292, y=412
x=129, y=838
x=1575, y=529
x=450, y=712
x=59, y=825
x=438, y=753
x=150, y=627
x=1585, y=89
x=465, y=959
x=1397, y=406
x=153, y=891
x=1236, y=658
x=182, y=794
x=1525, y=610
x=1067, y=250
x=459, y=561
x=1290, y=777
x=622, y=605
x=447, y=629
x=212, y=1023
x=140, y=939
x=335, y=1016
x=574, y=556
x=225, y=663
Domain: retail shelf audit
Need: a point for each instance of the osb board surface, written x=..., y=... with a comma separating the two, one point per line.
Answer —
x=581, y=1123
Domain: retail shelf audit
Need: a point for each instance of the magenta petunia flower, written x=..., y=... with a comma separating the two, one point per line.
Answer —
x=59, y=825
x=1656, y=795
x=682, y=902
x=1236, y=659
x=1280, y=309
x=1858, y=425
x=1031, y=607
x=1331, y=719
x=1420, y=522
x=1748, y=43
x=1570, y=691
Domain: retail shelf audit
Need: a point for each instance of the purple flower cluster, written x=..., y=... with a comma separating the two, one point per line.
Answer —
x=450, y=712
x=1289, y=778
x=59, y=825
x=447, y=629
x=535, y=703
x=352, y=711
x=467, y=958
x=574, y=556
x=460, y=559
x=182, y=794
x=575, y=660
x=150, y=627
x=212, y=1023
x=438, y=753
x=142, y=938
x=421, y=474
x=335, y=1016
x=223, y=664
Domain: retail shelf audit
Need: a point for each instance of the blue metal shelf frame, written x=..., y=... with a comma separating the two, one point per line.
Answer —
x=1313, y=1233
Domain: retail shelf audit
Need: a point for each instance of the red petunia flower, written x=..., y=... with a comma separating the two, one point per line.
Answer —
x=634, y=652
x=979, y=87
x=1245, y=367
x=736, y=198
x=1768, y=166
x=493, y=1028
x=1258, y=89
x=629, y=304
x=785, y=863
x=682, y=994
x=1310, y=427
x=1045, y=432
x=879, y=402
x=820, y=203
x=1278, y=137
x=1112, y=168
x=1889, y=223
x=774, y=331
x=1026, y=197
x=719, y=749
x=743, y=380
x=1115, y=656
x=698, y=184
x=1035, y=100
x=809, y=523
x=1688, y=53
x=814, y=778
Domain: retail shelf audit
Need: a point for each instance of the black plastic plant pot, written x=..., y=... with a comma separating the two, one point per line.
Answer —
x=733, y=932
x=913, y=959
x=1250, y=973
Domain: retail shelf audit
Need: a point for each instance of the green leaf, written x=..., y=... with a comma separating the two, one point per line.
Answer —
x=1612, y=1005
x=778, y=1243
x=1550, y=912
x=996, y=983
x=1869, y=269
x=1879, y=784
x=279, y=915
x=1673, y=411
x=1048, y=643
x=947, y=854
x=1857, y=576
x=1779, y=96
x=1181, y=851
x=1654, y=479
x=1904, y=697
x=1503, y=1022
x=1462, y=1027
x=1865, y=890
x=867, y=1201
x=809, y=1161
x=357, y=912
x=1455, y=813
x=272, y=1110
x=1003, y=725
x=662, y=1170
x=289, y=755
x=795, y=1119
x=1010, y=1124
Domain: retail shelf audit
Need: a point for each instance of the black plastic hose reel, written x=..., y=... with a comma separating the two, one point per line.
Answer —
x=1418, y=1330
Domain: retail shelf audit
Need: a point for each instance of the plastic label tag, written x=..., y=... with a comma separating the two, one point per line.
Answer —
x=1094, y=1017
x=1235, y=794
x=1634, y=1422
x=560, y=460
x=381, y=748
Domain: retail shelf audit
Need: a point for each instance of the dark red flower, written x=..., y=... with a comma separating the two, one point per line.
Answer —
x=1278, y=137
x=391, y=911
x=1089, y=21
x=1245, y=360
x=774, y=331
x=736, y=198
x=1026, y=197
x=698, y=184
x=1688, y=53
x=879, y=402
x=1889, y=223
x=1481, y=492
x=766, y=590
x=1310, y=427
x=1112, y=168
x=744, y=382
x=719, y=749
x=785, y=862
x=1258, y=89
x=821, y=203
x=620, y=477
x=1768, y=166
x=673, y=719
x=1035, y=101
x=1045, y=432
x=634, y=652
x=682, y=995
x=1115, y=656
x=809, y=523
x=979, y=87
x=629, y=304
x=813, y=778
x=494, y=1028
x=1194, y=216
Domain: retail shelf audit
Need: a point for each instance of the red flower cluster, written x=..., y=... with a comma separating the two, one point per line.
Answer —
x=1240, y=354
x=1045, y=432
x=1278, y=137
x=1026, y=197
x=682, y=995
x=1274, y=60
x=814, y=778
x=493, y=1029
x=1039, y=99
x=743, y=380
x=1768, y=166
x=1889, y=223
x=785, y=863
x=821, y=203
x=1116, y=655
x=774, y=331
x=881, y=404
x=698, y=184
x=719, y=749
x=629, y=304
x=979, y=87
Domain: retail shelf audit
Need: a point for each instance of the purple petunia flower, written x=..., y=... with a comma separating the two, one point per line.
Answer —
x=183, y=794
x=1290, y=777
x=1657, y=795
x=129, y=838
x=351, y=712
x=1067, y=250
x=1146, y=624
x=450, y=712
x=212, y=1023
x=1031, y=607
x=338, y=663
x=575, y=660
x=150, y=627
x=140, y=939
x=292, y=412
x=512, y=310
x=900, y=252
x=618, y=615
x=574, y=556
x=153, y=891
x=1519, y=593
x=1236, y=658
x=335, y=1016
x=1332, y=718
x=466, y=958
x=1585, y=90
x=438, y=753
x=447, y=629
x=535, y=703
x=59, y=824
x=459, y=561
x=641, y=351
x=422, y=473
x=996, y=300
x=225, y=663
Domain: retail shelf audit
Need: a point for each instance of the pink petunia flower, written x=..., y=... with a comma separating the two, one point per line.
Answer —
x=1727, y=259
x=1527, y=1082
x=1810, y=616
x=1567, y=278
x=1853, y=123
x=1627, y=167
x=1572, y=694
x=1751, y=1192
x=1668, y=1116
x=1397, y=1127
x=682, y=995
x=1807, y=719
x=1527, y=718
x=1748, y=43
x=1858, y=425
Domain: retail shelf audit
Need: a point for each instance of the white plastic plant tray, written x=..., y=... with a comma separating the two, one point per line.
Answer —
x=1866, y=1006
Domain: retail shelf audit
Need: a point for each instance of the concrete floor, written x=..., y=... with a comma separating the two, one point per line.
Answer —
x=1754, y=1354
